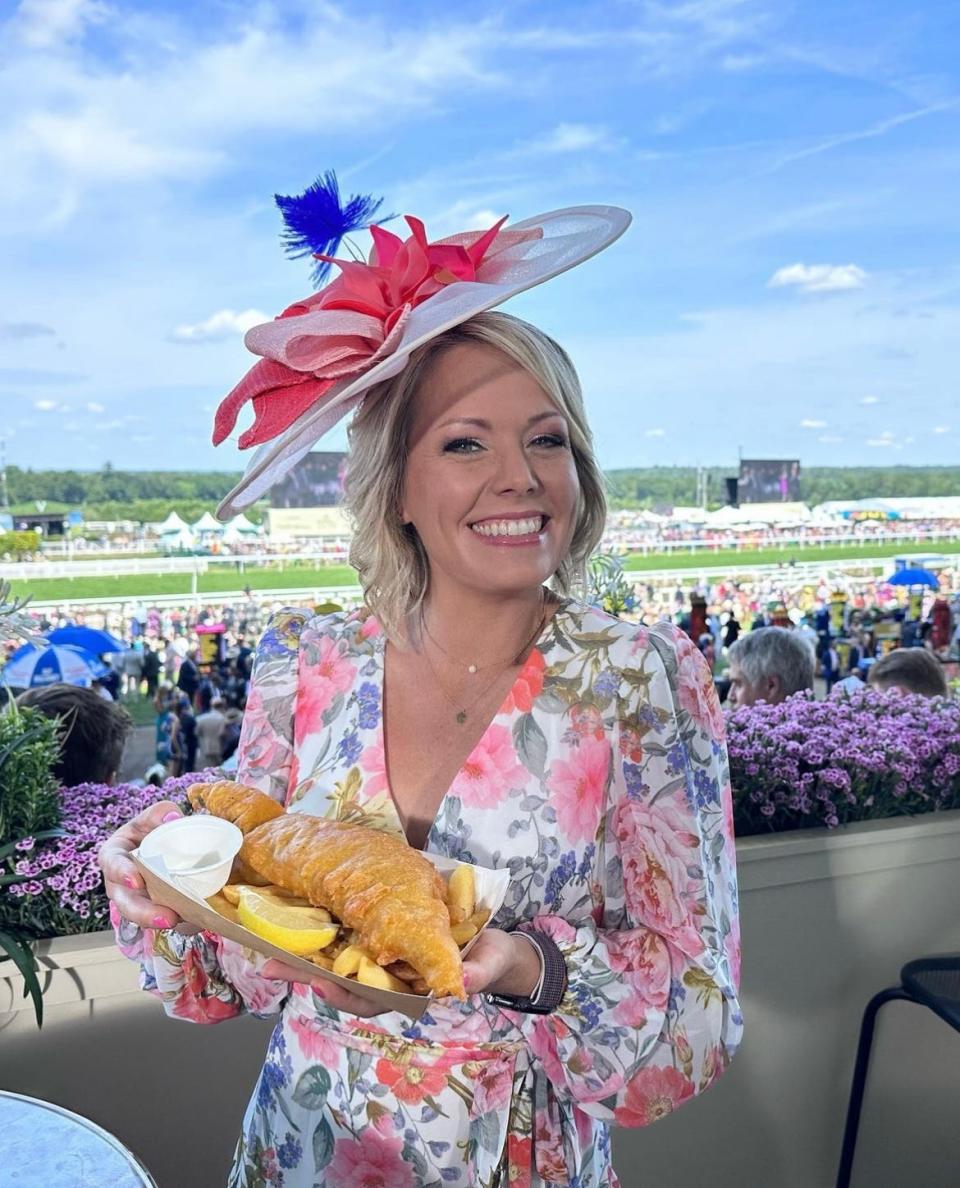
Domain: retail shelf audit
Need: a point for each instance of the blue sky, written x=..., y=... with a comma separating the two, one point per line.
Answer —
x=790, y=285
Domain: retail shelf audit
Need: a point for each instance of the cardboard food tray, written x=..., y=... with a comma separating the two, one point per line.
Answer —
x=491, y=890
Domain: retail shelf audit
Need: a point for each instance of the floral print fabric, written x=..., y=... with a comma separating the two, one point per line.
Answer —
x=601, y=785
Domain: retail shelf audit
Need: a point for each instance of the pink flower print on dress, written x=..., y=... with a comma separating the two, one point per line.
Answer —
x=491, y=771
x=376, y=1162
x=373, y=764
x=657, y=847
x=577, y=788
x=313, y=1040
x=644, y=958
x=695, y=689
x=652, y=1094
x=324, y=674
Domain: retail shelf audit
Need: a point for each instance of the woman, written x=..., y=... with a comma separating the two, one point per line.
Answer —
x=494, y=721
x=168, y=742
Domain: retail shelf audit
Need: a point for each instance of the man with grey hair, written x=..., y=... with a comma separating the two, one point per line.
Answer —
x=769, y=664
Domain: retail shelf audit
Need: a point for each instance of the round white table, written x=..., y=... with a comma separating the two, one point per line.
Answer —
x=45, y=1146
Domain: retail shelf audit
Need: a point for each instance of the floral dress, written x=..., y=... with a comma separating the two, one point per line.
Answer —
x=601, y=784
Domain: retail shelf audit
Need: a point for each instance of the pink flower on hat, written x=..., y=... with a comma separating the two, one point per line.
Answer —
x=354, y=323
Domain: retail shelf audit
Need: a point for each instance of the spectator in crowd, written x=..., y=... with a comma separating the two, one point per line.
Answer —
x=168, y=748
x=769, y=664
x=731, y=632
x=210, y=729
x=170, y=658
x=151, y=670
x=188, y=735
x=233, y=723
x=206, y=691
x=909, y=670
x=188, y=679
x=132, y=670
x=93, y=732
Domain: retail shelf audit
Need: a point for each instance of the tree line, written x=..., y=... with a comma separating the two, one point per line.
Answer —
x=150, y=494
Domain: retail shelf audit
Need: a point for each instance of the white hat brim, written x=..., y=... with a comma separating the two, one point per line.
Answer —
x=569, y=237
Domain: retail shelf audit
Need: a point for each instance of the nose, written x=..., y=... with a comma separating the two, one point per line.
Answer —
x=515, y=472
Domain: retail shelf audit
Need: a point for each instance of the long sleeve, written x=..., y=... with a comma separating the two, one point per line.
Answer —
x=651, y=1017
x=205, y=978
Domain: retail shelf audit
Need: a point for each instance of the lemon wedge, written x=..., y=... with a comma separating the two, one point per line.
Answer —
x=297, y=929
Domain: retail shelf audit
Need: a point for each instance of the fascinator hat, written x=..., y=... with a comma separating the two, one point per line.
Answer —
x=322, y=354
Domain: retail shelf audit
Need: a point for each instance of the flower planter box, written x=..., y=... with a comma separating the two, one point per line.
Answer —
x=828, y=918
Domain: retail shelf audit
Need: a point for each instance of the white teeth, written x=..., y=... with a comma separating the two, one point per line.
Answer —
x=509, y=527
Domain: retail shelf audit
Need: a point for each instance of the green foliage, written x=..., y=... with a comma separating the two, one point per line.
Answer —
x=18, y=544
x=29, y=747
x=677, y=485
x=29, y=806
x=123, y=487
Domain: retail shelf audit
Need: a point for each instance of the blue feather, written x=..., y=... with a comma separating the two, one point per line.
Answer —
x=315, y=221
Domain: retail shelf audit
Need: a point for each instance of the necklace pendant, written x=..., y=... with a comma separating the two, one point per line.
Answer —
x=471, y=668
x=461, y=716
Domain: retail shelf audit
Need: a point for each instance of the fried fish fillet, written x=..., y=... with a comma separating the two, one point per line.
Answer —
x=371, y=880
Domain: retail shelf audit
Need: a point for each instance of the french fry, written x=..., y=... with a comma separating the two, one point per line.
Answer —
x=464, y=932
x=321, y=959
x=224, y=907
x=479, y=918
x=347, y=961
x=461, y=894
x=371, y=974
x=419, y=987
x=231, y=893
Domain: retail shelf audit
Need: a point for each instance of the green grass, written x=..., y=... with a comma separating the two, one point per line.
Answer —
x=706, y=558
x=140, y=709
x=300, y=576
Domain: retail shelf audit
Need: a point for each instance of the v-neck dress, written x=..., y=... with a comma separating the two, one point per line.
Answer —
x=601, y=784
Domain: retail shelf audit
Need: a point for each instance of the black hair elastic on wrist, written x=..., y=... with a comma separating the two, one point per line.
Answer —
x=553, y=979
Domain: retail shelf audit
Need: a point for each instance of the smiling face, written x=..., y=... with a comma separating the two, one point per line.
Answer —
x=490, y=483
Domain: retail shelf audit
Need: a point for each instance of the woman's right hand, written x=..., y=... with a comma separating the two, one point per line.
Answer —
x=125, y=887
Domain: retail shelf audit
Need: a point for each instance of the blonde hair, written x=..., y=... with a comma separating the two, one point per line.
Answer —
x=388, y=555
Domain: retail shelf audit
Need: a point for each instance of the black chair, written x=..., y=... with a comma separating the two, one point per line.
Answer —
x=932, y=982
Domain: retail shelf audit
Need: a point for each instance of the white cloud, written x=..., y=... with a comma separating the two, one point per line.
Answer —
x=44, y=23
x=818, y=278
x=869, y=399
x=223, y=324
x=886, y=438
x=654, y=433
x=807, y=423
x=45, y=405
x=830, y=439
x=94, y=407
x=571, y=138
x=941, y=428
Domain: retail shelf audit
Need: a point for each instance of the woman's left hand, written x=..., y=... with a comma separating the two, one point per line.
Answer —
x=501, y=963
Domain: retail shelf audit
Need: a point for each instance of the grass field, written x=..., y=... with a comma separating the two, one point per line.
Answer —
x=224, y=579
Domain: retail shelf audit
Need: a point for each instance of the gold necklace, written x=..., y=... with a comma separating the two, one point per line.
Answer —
x=462, y=712
x=473, y=669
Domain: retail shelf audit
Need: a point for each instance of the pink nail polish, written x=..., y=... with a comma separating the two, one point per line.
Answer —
x=161, y=922
x=131, y=881
x=171, y=816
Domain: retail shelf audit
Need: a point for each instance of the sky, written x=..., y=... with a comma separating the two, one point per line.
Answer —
x=790, y=286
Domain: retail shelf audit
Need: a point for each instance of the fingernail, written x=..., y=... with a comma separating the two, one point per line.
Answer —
x=161, y=922
x=171, y=816
x=467, y=979
x=319, y=990
x=131, y=881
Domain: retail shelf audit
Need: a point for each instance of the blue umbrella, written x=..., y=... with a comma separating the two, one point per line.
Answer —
x=30, y=666
x=914, y=577
x=88, y=638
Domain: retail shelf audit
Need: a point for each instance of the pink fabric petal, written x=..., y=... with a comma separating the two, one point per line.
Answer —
x=307, y=343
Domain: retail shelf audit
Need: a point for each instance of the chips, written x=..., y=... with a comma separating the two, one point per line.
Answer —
x=282, y=918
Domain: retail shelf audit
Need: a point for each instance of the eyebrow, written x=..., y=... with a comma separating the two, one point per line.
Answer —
x=480, y=423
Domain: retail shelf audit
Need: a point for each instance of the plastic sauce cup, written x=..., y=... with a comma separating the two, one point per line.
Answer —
x=194, y=853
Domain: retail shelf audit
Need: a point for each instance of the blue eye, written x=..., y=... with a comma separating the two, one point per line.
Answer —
x=553, y=440
x=462, y=445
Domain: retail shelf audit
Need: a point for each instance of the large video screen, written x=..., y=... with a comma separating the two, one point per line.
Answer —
x=769, y=480
x=315, y=481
